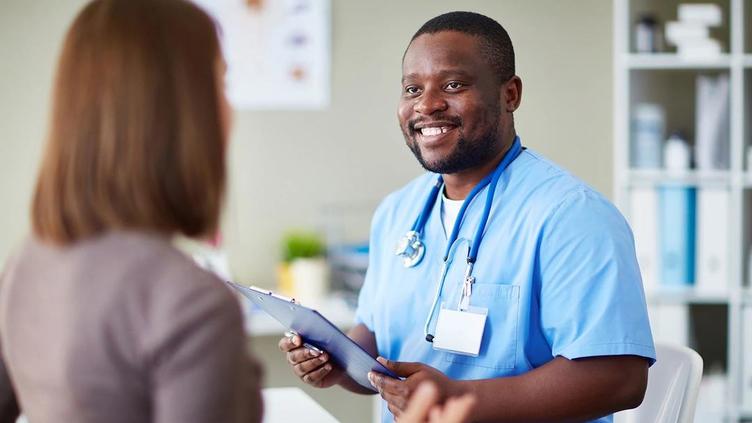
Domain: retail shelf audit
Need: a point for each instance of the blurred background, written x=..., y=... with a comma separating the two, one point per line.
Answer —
x=648, y=104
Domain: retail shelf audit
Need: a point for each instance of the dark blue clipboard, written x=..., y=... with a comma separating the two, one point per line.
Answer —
x=317, y=331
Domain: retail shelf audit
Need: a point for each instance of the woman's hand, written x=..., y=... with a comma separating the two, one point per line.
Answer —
x=424, y=407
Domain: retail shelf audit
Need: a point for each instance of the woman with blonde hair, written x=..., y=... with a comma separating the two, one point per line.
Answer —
x=101, y=319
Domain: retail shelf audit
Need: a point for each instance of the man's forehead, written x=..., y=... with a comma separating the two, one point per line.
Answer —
x=447, y=38
x=442, y=51
x=444, y=43
x=448, y=72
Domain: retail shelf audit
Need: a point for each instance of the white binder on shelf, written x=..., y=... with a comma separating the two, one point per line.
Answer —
x=712, y=122
x=670, y=323
x=712, y=240
x=643, y=217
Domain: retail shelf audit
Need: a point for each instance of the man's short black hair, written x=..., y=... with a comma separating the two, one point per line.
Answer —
x=495, y=44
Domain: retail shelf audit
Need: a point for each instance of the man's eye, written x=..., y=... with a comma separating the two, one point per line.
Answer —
x=454, y=85
x=411, y=90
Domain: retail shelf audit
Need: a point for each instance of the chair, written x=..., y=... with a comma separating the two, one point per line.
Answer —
x=673, y=384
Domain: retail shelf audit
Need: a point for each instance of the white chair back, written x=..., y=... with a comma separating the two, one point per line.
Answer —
x=673, y=384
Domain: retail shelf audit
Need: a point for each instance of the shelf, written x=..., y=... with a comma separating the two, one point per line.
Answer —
x=747, y=179
x=747, y=296
x=685, y=295
x=674, y=61
x=693, y=178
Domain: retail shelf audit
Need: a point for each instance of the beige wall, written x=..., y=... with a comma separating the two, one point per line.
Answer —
x=287, y=166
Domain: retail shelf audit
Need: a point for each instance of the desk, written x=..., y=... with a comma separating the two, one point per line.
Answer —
x=283, y=405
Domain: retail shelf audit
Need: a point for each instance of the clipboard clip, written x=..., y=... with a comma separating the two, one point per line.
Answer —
x=281, y=297
x=289, y=334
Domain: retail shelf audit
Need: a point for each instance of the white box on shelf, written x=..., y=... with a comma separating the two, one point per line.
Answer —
x=643, y=217
x=712, y=240
x=709, y=14
x=700, y=50
x=680, y=32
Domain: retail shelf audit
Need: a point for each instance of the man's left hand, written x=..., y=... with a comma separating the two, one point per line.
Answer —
x=397, y=392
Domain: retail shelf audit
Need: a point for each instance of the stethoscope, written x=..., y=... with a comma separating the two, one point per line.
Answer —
x=411, y=248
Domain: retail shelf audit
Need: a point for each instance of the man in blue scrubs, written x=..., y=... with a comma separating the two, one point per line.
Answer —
x=566, y=335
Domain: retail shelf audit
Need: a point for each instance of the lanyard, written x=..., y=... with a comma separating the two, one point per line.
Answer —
x=491, y=181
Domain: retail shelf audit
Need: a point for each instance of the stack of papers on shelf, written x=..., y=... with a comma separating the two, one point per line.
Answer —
x=708, y=14
x=691, y=33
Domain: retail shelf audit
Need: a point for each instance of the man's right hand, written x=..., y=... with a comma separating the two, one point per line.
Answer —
x=311, y=366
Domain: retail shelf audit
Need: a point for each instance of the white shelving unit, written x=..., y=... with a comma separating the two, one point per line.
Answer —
x=672, y=61
x=667, y=68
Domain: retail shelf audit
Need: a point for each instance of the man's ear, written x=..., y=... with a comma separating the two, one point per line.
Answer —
x=511, y=93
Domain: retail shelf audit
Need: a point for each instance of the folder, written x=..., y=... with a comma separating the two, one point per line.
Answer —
x=643, y=218
x=670, y=323
x=712, y=239
x=676, y=220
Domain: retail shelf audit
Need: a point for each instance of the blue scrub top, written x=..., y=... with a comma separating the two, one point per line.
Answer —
x=556, y=270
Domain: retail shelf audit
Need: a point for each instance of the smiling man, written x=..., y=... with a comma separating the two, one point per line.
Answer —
x=513, y=280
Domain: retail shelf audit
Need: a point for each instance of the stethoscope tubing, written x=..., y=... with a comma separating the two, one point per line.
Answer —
x=491, y=181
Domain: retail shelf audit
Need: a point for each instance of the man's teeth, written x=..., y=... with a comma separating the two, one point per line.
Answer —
x=433, y=131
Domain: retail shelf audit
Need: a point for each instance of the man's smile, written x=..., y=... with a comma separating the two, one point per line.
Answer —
x=433, y=133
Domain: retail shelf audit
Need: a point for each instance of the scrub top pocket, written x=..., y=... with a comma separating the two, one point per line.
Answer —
x=498, y=349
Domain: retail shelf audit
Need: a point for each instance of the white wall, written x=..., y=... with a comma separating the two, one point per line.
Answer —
x=286, y=166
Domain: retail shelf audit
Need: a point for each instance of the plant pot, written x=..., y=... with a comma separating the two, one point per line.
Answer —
x=310, y=279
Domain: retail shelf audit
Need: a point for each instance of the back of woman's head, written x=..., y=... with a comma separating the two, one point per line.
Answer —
x=135, y=140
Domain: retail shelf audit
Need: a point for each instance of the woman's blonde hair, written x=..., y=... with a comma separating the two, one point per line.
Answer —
x=135, y=138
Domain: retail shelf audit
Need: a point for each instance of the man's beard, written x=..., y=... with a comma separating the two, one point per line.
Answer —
x=467, y=154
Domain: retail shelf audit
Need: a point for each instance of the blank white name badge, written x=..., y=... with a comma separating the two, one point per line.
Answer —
x=460, y=332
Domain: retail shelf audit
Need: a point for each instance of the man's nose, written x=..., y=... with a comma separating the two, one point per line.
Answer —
x=430, y=102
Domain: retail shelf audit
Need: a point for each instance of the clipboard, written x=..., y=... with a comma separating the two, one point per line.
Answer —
x=315, y=330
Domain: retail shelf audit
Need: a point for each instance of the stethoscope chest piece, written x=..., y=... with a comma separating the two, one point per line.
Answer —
x=411, y=249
